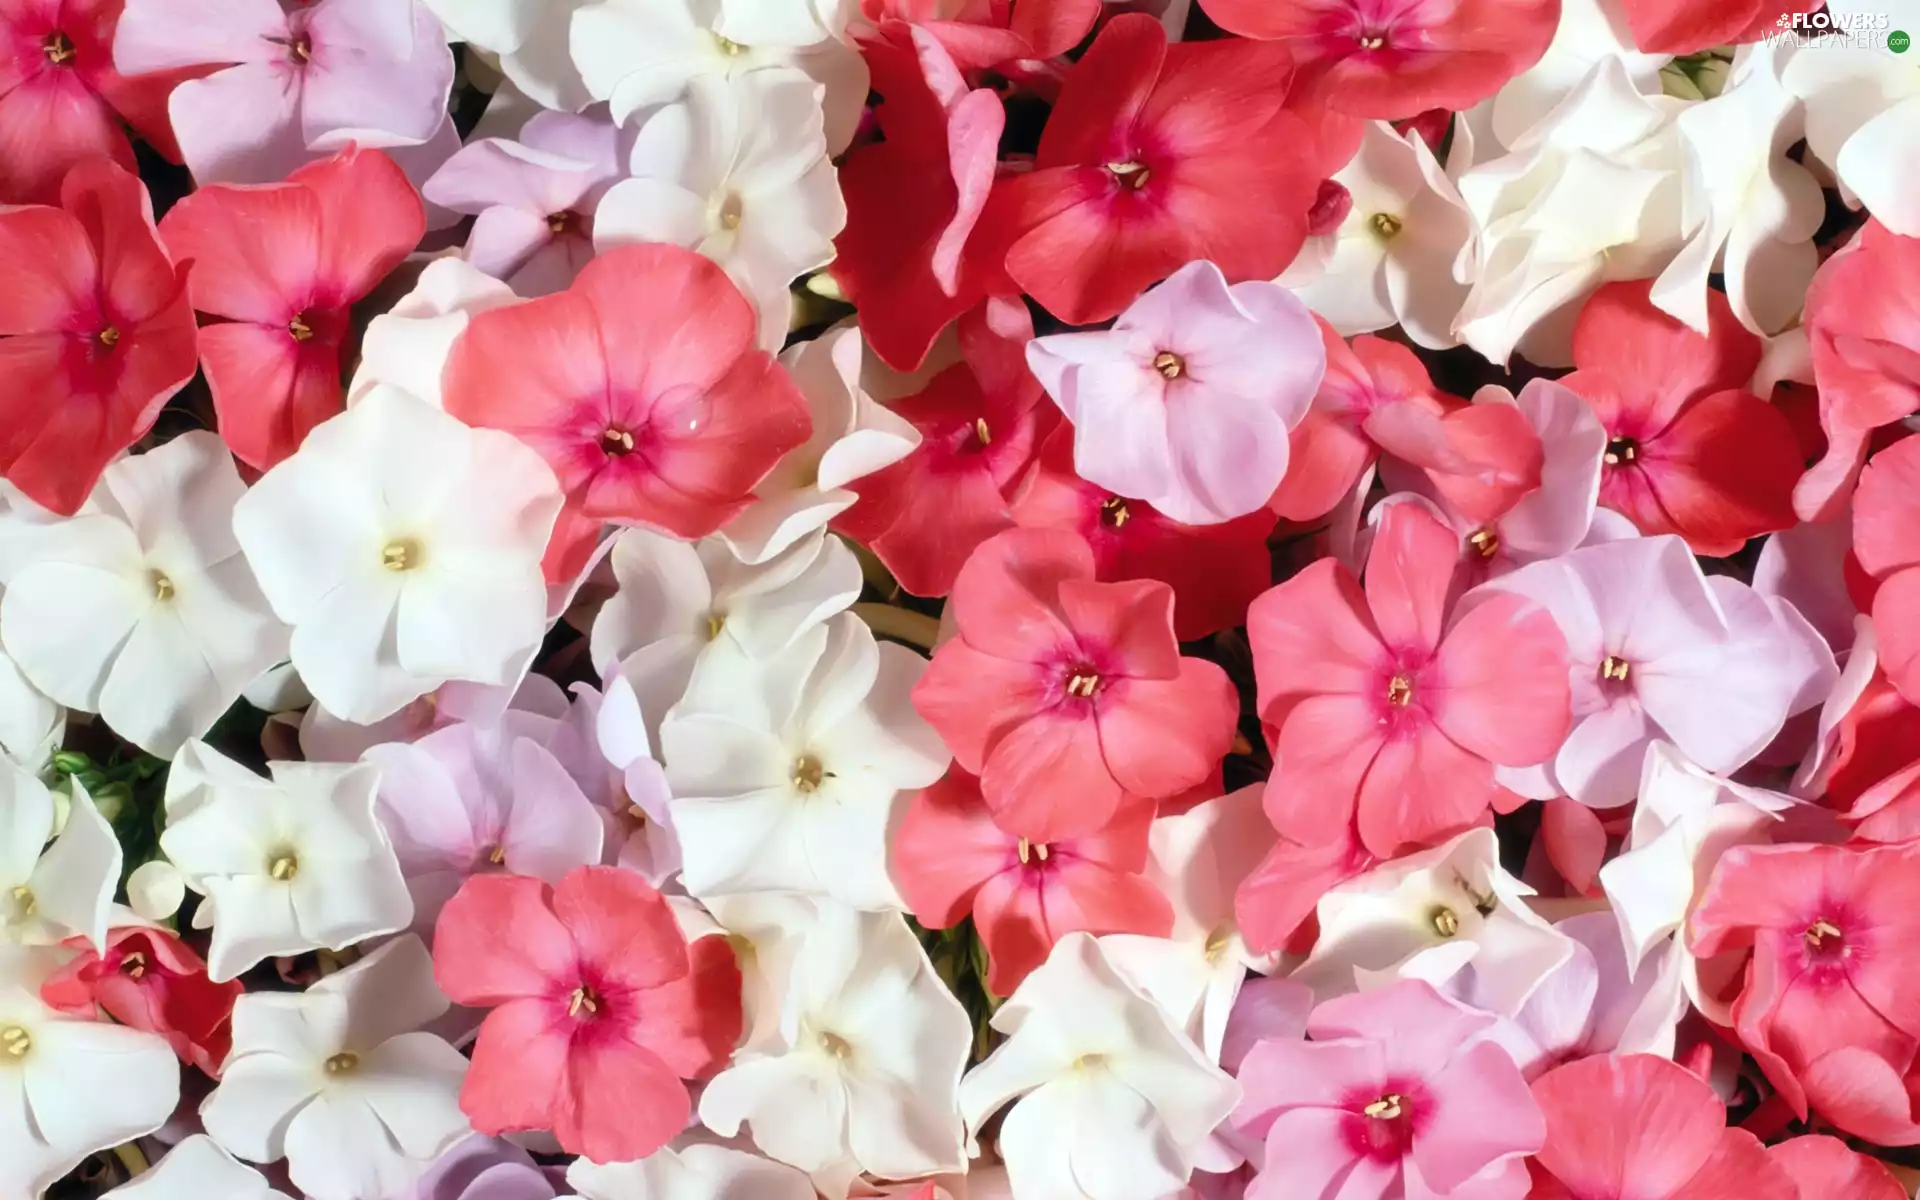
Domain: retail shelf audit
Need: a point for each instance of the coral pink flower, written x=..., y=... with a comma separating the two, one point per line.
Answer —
x=1382, y=711
x=980, y=422
x=1331, y=448
x=1638, y=1126
x=95, y=333
x=993, y=33
x=1391, y=59
x=1154, y=157
x=950, y=859
x=642, y=387
x=279, y=265
x=1886, y=541
x=1823, y=1167
x=1690, y=450
x=1398, y=1093
x=1067, y=696
x=1273, y=903
x=1831, y=1001
x=600, y=1008
x=149, y=979
x=62, y=101
x=1681, y=27
x=1481, y=458
x=1871, y=772
x=1215, y=571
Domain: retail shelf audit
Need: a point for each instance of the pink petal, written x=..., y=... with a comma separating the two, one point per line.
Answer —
x=519, y=1062
x=1824, y=1166
x=1626, y=1125
x=47, y=271
x=1005, y=600
x=1742, y=1169
x=945, y=848
x=693, y=1023
x=1160, y=737
x=1421, y=788
x=1408, y=574
x=1047, y=779
x=497, y=940
x=1312, y=635
x=1131, y=622
x=370, y=220
x=621, y=927
x=240, y=125
x=1325, y=749
x=255, y=252
x=618, y=1102
x=1482, y=1112
x=1498, y=685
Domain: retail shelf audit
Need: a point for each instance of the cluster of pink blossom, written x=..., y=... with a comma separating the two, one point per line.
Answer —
x=959, y=599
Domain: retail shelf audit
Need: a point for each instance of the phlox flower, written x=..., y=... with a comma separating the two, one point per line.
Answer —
x=640, y=387
x=529, y=40
x=1595, y=1003
x=149, y=979
x=407, y=346
x=31, y=724
x=1272, y=904
x=697, y=1168
x=1188, y=401
x=1480, y=458
x=1067, y=696
x=1860, y=106
x=980, y=34
x=482, y=1168
x=95, y=332
x=1588, y=32
x=600, y=1010
x=1398, y=1092
x=1680, y=27
x=1389, y=711
x=339, y=1080
x=57, y=879
x=1865, y=764
x=1887, y=547
x=1824, y=1166
x=604, y=745
x=194, y=1169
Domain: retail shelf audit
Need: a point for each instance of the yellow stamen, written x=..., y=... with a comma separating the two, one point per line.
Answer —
x=836, y=1046
x=980, y=431
x=1133, y=174
x=24, y=902
x=134, y=965
x=1621, y=450
x=1031, y=851
x=109, y=337
x=1444, y=921
x=58, y=48
x=1084, y=682
x=715, y=623
x=1113, y=512
x=1615, y=668
x=299, y=328
x=1819, y=932
x=344, y=1063
x=1170, y=365
x=1372, y=42
x=1486, y=541
x=1387, y=1108
x=162, y=586
x=808, y=774
x=284, y=867
x=16, y=1041
x=582, y=998
x=1399, y=691
x=400, y=554
x=616, y=443
x=1385, y=226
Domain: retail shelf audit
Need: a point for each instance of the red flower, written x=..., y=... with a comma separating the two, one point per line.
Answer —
x=1215, y=571
x=600, y=1008
x=95, y=333
x=1393, y=59
x=1824, y=1167
x=1886, y=540
x=953, y=859
x=150, y=980
x=989, y=33
x=1682, y=27
x=1068, y=696
x=1690, y=450
x=642, y=387
x=1156, y=156
x=1872, y=776
x=62, y=102
x=1273, y=904
x=279, y=265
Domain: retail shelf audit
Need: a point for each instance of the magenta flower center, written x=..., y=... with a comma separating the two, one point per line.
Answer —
x=616, y=442
x=1113, y=512
x=1621, y=451
x=1614, y=669
x=584, y=1003
x=1083, y=682
x=58, y=48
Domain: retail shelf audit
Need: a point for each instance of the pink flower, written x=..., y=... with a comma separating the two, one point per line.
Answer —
x=95, y=333
x=1382, y=711
x=534, y=198
x=1886, y=541
x=950, y=859
x=1682, y=27
x=985, y=33
x=149, y=979
x=1067, y=696
x=1398, y=1092
x=642, y=387
x=62, y=101
x=280, y=265
x=1187, y=402
x=1831, y=1002
x=1391, y=59
x=1273, y=903
x=1639, y=1126
x=1823, y=1166
x=600, y=1008
x=297, y=80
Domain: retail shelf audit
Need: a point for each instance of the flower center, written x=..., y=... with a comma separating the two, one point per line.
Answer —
x=1486, y=541
x=616, y=443
x=1399, y=691
x=981, y=432
x=1444, y=921
x=134, y=965
x=1134, y=175
x=1385, y=226
x=108, y=337
x=1824, y=937
x=162, y=586
x=284, y=866
x=731, y=49
x=58, y=48
x=1615, y=668
x=560, y=223
x=1621, y=450
x=497, y=855
x=1170, y=365
x=1113, y=512
x=298, y=327
x=400, y=554
x=836, y=1046
x=716, y=621
x=1216, y=948
x=24, y=903
x=1029, y=852
x=344, y=1063
x=1390, y=1107
x=1083, y=681
x=807, y=774
x=15, y=1041
x=583, y=999
x=732, y=211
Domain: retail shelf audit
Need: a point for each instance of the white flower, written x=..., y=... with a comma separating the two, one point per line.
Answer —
x=31, y=725
x=1110, y=1100
x=788, y=781
x=867, y=1070
x=1863, y=118
x=197, y=1169
x=695, y=1172
x=142, y=609
x=1589, y=31
x=286, y=865
x=49, y=893
x=404, y=548
x=1392, y=259
x=528, y=37
x=737, y=169
x=852, y=438
x=768, y=931
x=69, y=1087
x=1449, y=916
x=407, y=346
x=337, y=1081
x=1589, y=194
x=634, y=53
x=680, y=606
x=1752, y=210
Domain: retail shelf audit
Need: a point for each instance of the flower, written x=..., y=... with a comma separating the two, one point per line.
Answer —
x=1824, y=1166
x=599, y=1011
x=290, y=84
x=1863, y=764
x=1065, y=695
x=69, y=1087
x=404, y=549
x=698, y=1167
x=785, y=772
x=950, y=860
x=529, y=40
x=196, y=1168
x=31, y=725
x=288, y=864
x=151, y=577
x=50, y=892
x=871, y=1049
x=339, y=1081
x=535, y=197
x=603, y=743
x=151, y=980
x=1690, y=26
x=1188, y=400
x=407, y=346
x=281, y=264
x=1109, y=1099
x=1389, y=713
x=1398, y=1091
x=95, y=331
x=1886, y=547
x=62, y=101
x=1130, y=184
x=669, y=421
x=481, y=1168
x=1860, y=109
x=1641, y=1126
x=737, y=169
